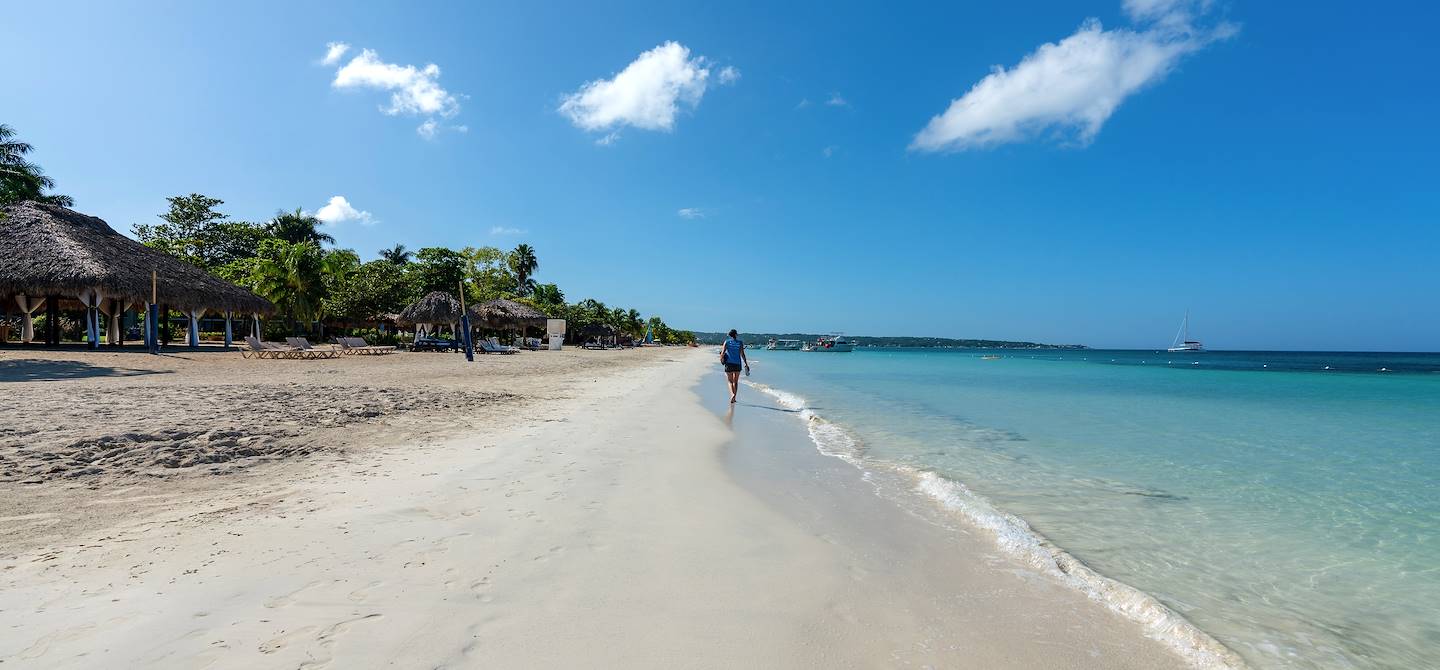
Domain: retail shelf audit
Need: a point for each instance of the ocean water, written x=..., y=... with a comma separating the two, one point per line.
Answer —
x=1289, y=511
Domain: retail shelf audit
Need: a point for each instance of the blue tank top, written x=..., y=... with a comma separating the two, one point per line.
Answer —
x=732, y=350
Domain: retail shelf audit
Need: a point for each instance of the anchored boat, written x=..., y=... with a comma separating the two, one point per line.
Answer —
x=834, y=343
x=1182, y=342
x=782, y=345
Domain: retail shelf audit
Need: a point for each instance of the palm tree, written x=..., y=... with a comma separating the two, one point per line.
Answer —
x=397, y=254
x=291, y=275
x=523, y=263
x=19, y=178
x=298, y=226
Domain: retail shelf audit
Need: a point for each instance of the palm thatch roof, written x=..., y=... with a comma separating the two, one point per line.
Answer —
x=53, y=250
x=594, y=329
x=500, y=313
x=435, y=307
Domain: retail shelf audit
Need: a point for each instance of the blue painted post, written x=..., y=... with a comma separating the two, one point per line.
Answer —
x=465, y=337
x=152, y=327
x=465, y=327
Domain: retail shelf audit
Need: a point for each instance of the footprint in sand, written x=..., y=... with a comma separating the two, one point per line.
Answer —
x=283, y=640
x=362, y=594
x=42, y=645
x=290, y=598
x=325, y=640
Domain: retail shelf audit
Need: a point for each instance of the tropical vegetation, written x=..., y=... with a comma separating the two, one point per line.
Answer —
x=21, y=179
x=318, y=288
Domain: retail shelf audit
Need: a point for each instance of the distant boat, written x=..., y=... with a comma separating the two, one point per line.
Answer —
x=834, y=343
x=991, y=357
x=1182, y=338
x=782, y=345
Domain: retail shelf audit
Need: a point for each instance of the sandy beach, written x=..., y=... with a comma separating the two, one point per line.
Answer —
x=575, y=508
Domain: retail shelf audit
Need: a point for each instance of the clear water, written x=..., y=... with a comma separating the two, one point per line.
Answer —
x=1291, y=512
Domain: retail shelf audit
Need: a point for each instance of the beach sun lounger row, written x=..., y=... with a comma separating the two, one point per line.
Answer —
x=434, y=344
x=358, y=346
x=254, y=348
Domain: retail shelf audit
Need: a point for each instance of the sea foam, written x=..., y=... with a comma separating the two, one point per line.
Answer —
x=1015, y=537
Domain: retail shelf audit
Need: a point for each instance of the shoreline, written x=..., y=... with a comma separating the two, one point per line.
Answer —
x=605, y=524
x=941, y=502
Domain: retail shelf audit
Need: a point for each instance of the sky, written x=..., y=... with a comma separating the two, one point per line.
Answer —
x=1064, y=172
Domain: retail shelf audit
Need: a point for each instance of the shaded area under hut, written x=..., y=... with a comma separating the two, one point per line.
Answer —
x=502, y=314
x=55, y=258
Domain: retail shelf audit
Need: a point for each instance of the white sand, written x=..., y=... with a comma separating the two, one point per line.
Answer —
x=594, y=526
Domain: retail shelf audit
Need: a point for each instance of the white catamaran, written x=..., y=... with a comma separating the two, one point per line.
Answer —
x=782, y=345
x=1182, y=342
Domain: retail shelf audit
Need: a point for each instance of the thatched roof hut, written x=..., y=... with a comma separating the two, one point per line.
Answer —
x=597, y=330
x=437, y=307
x=502, y=313
x=50, y=250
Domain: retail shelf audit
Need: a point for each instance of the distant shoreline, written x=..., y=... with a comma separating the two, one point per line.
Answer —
x=910, y=342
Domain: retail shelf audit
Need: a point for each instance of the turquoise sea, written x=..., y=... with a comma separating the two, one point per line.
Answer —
x=1290, y=511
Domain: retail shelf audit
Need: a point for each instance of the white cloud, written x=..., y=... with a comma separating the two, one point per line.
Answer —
x=1165, y=11
x=829, y=151
x=502, y=230
x=837, y=101
x=729, y=75
x=647, y=94
x=691, y=213
x=339, y=210
x=1069, y=89
x=333, y=52
x=608, y=139
x=804, y=102
x=428, y=129
x=413, y=90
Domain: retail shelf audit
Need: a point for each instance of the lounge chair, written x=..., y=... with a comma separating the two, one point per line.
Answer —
x=490, y=346
x=434, y=344
x=309, y=351
x=358, y=345
x=257, y=349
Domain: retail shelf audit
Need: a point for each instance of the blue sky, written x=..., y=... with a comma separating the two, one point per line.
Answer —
x=1270, y=167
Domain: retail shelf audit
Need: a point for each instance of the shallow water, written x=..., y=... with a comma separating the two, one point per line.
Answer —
x=1290, y=511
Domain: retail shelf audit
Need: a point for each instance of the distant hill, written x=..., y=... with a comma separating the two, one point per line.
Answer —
x=759, y=339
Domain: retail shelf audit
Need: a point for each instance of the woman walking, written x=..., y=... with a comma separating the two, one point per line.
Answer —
x=732, y=355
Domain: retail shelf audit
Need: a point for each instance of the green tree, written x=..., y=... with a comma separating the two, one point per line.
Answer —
x=195, y=232
x=377, y=287
x=487, y=274
x=298, y=226
x=548, y=298
x=523, y=264
x=19, y=178
x=291, y=275
x=397, y=254
x=438, y=269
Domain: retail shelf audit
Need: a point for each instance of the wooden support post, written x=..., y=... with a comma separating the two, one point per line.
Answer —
x=52, y=320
